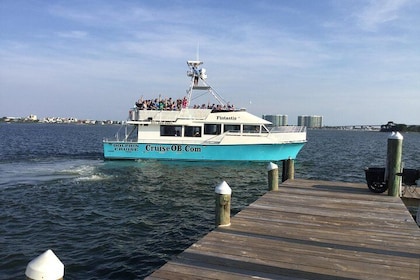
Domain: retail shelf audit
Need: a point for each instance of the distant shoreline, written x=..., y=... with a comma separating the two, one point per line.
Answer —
x=395, y=127
x=399, y=127
x=58, y=121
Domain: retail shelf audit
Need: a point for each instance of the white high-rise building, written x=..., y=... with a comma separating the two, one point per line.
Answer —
x=277, y=120
x=310, y=121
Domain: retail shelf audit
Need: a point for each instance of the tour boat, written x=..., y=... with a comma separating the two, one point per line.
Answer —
x=167, y=129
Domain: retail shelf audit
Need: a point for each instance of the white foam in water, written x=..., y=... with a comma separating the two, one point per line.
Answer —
x=36, y=172
x=29, y=173
x=84, y=171
x=79, y=169
x=93, y=177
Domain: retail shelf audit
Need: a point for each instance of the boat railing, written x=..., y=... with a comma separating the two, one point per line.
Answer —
x=123, y=134
x=161, y=116
x=288, y=129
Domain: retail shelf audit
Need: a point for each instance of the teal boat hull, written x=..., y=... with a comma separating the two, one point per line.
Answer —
x=251, y=152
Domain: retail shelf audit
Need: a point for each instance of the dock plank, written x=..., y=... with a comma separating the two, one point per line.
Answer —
x=308, y=230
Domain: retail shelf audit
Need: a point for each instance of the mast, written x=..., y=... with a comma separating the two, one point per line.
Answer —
x=198, y=82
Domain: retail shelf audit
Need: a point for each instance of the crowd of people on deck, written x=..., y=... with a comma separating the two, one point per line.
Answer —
x=169, y=104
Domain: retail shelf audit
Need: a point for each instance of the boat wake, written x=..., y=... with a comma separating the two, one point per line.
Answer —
x=39, y=172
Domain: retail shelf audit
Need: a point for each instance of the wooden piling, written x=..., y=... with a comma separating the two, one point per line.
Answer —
x=288, y=171
x=394, y=155
x=223, y=197
x=418, y=216
x=273, y=177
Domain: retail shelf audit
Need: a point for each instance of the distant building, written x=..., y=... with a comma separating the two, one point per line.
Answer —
x=277, y=120
x=310, y=121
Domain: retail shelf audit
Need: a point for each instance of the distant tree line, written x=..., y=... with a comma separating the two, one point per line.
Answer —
x=391, y=126
x=408, y=128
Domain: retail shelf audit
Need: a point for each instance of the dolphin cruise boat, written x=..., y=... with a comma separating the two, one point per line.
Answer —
x=175, y=130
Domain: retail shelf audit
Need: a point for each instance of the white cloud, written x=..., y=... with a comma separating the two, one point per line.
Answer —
x=379, y=12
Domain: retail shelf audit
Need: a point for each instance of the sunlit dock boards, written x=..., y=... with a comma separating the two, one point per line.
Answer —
x=308, y=230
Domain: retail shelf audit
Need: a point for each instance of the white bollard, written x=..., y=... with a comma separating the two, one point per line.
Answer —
x=273, y=176
x=46, y=267
x=394, y=165
x=223, y=197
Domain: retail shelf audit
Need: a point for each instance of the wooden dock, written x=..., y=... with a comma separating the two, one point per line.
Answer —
x=308, y=230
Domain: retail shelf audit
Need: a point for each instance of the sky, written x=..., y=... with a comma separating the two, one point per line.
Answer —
x=354, y=62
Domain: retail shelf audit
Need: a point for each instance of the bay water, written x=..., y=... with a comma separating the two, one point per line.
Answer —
x=125, y=219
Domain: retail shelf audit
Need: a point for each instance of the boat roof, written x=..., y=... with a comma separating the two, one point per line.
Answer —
x=240, y=117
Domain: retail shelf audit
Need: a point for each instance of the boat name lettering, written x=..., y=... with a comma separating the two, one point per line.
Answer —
x=172, y=148
x=227, y=118
x=126, y=147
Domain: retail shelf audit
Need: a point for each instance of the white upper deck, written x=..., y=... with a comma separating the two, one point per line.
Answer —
x=195, y=116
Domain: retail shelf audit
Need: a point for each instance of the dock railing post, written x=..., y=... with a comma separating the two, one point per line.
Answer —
x=288, y=171
x=223, y=197
x=45, y=266
x=273, y=177
x=393, y=166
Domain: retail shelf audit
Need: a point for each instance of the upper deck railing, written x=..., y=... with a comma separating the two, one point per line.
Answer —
x=288, y=129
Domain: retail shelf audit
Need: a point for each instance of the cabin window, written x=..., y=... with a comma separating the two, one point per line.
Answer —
x=212, y=129
x=232, y=127
x=251, y=129
x=192, y=131
x=170, y=130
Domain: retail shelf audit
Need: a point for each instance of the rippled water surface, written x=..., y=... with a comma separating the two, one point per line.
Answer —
x=124, y=219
